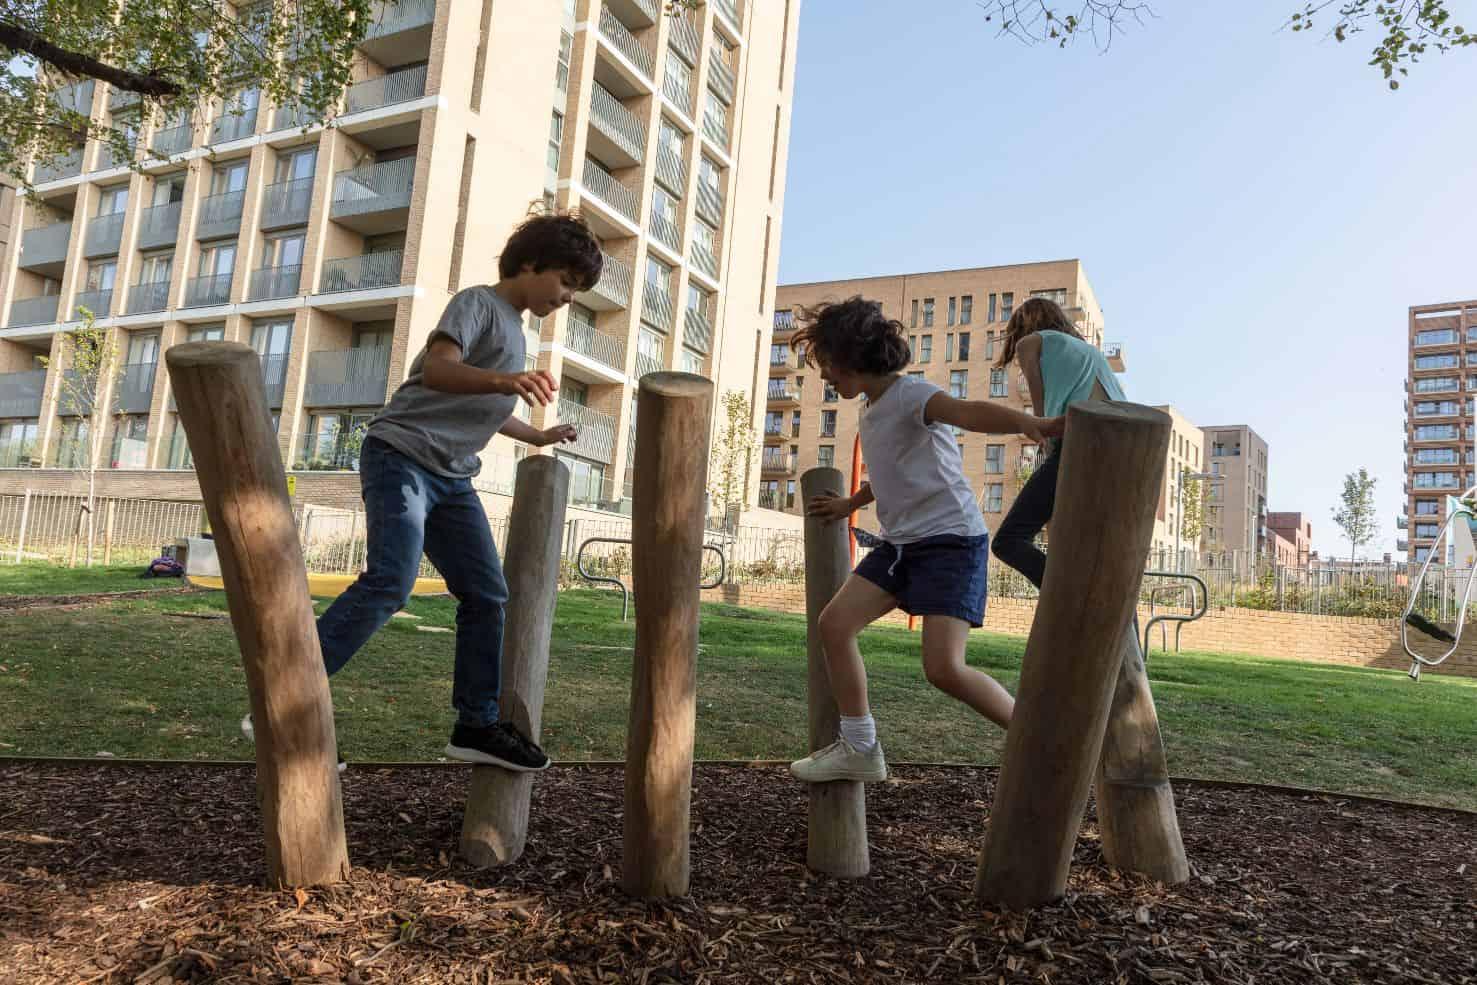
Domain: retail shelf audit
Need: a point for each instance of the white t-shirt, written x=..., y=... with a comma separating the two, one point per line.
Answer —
x=915, y=468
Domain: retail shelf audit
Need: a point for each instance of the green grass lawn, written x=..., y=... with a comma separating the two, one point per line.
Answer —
x=52, y=579
x=131, y=679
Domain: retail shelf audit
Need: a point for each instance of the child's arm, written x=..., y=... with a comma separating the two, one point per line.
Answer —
x=444, y=370
x=1028, y=354
x=834, y=506
x=986, y=417
x=530, y=435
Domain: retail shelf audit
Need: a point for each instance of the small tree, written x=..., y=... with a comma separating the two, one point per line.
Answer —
x=90, y=363
x=1192, y=508
x=1356, y=519
x=732, y=460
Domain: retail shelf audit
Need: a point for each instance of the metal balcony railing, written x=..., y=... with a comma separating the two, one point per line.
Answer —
x=361, y=273
x=100, y=303
x=619, y=124
x=621, y=38
x=686, y=37
x=716, y=128
x=720, y=76
x=709, y=203
x=67, y=165
x=614, y=287
x=274, y=376
x=784, y=321
x=220, y=215
x=347, y=377
x=611, y=192
x=704, y=260
x=678, y=89
x=671, y=171
x=665, y=231
x=148, y=296
x=587, y=340
x=656, y=307
x=386, y=90
x=371, y=188
x=393, y=16
x=122, y=99
x=274, y=282
x=291, y=118
x=103, y=236
x=697, y=330
x=33, y=311
x=135, y=388
x=596, y=431
x=108, y=157
x=781, y=390
x=287, y=203
x=75, y=96
x=731, y=9
x=648, y=363
x=233, y=124
x=20, y=393
x=158, y=225
x=207, y=290
x=778, y=463
x=45, y=245
x=173, y=140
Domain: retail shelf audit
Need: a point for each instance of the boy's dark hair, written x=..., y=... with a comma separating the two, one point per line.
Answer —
x=853, y=335
x=557, y=241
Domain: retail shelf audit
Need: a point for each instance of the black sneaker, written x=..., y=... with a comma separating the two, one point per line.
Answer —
x=496, y=745
x=250, y=732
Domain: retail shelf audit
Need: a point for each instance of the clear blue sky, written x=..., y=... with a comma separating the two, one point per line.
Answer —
x=1255, y=209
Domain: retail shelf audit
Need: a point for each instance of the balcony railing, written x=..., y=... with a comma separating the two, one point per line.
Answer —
x=645, y=12
x=731, y=9
x=75, y=96
x=611, y=192
x=67, y=165
x=656, y=307
x=646, y=362
x=393, y=16
x=596, y=431
x=769, y=499
x=100, y=303
x=619, y=124
x=208, y=290
x=373, y=188
x=220, y=215
x=709, y=203
x=778, y=463
x=148, y=296
x=287, y=203
x=274, y=376
x=621, y=38
x=122, y=99
x=33, y=311
x=703, y=259
x=671, y=171
x=587, y=340
x=108, y=157
x=716, y=129
x=291, y=118
x=665, y=232
x=361, y=273
x=334, y=451
x=158, y=225
x=135, y=388
x=347, y=377
x=720, y=76
x=686, y=38
x=780, y=390
x=274, y=282
x=174, y=140
x=784, y=321
x=614, y=288
x=774, y=430
x=20, y=393
x=233, y=124
x=179, y=451
x=697, y=330
x=678, y=90
x=104, y=234
x=45, y=245
x=386, y=90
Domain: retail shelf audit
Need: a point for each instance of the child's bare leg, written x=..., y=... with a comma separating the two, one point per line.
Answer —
x=859, y=604
x=943, y=664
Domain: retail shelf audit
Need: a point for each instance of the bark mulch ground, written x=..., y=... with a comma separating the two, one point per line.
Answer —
x=115, y=873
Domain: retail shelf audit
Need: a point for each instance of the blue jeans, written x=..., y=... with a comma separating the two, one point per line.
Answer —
x=409, y=510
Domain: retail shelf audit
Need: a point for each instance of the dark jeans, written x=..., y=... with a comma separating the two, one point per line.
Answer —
x=1027, y=516
x=409, y=510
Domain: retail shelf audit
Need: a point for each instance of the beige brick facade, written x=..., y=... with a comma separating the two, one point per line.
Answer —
x=1439, y=448
x=1236, y=504
x=1185, y=457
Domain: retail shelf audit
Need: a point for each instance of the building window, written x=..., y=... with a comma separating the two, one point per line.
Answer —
x=828, y=423
x=926, y=355
x=1007, y=305
x=1057, y=295
x=561, y=72
x=790, y=494
x=912, y=348
x=964, y=347
x=966, y=310
x=795, y=425
x=928, y=312
x=130, y=442
x=556, y=139
x=914, y=322
x=994, y=497
x=774, y=422
x=995, y=459
x=959, y=384
x=952, y=309
x=997, y=382
x=989, y=345
x=990, y=313
x=825, y=456
x=831, y=396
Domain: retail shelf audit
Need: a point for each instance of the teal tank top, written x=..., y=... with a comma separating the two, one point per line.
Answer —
x=1069, y=368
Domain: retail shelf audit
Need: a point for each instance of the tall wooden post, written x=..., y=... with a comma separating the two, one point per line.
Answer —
x=666, y=554
x=837, y=829
x=223, y=406
x=1135, y=803
x=495, y=826
x=1111, y=471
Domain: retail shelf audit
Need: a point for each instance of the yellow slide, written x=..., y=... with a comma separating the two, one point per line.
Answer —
x=331, y=586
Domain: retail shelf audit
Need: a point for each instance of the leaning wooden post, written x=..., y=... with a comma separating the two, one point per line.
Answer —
x=666, y=554
x=223, y=406
x=1135, y=803
x=495, y=826
x=837, y=830
x=1111, y=470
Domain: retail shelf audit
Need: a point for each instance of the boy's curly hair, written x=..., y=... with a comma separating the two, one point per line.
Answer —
x=553, y=241
x=853, y=335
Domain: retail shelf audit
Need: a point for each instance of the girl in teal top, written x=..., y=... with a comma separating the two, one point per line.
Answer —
x=1060, y=368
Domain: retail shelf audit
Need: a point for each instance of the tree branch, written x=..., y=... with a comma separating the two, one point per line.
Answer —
x=18, y=38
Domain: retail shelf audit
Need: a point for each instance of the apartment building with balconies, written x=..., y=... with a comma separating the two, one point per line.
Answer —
x=1236, y=498
x=1438, y=446
x=332, y=250
x=955, y=321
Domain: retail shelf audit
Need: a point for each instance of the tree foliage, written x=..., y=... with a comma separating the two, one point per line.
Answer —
x=1356, y=518
x=732, y=457
x=182, y=59
x=1192, y=508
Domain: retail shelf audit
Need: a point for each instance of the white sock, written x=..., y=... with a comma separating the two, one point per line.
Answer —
x=860, y=732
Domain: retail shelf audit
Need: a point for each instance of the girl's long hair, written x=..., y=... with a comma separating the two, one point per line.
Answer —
x=1034, y=315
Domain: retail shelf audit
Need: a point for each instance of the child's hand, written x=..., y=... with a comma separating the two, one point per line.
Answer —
x=829, y=506
x=559, y=434
x=1041, y=429
x=536, y=387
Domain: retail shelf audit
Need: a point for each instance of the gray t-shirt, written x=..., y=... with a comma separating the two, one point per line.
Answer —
x=915, y=468
x=444, y=431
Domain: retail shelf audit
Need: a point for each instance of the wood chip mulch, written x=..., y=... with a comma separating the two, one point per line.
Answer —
x=115, y=873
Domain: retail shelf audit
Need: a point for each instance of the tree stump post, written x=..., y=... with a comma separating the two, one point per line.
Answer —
x=837, y=828
x=1135, y=803
x=223, y=406
x=495, y=825
x=1111, y=470
x=666, y=569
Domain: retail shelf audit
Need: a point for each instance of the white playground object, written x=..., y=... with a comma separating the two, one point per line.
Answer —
x=1456, y=534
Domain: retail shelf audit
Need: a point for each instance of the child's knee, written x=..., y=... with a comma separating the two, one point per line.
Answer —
x=833, y=623
x=942, y=672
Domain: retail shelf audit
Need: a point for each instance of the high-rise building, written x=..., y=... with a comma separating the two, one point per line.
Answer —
x=955, y=320
x=333, y=250
x=1236, y=501
x=1442, y=341
x=1185, y=459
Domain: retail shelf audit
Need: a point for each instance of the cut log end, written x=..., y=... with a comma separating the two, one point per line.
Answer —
x=188, y=354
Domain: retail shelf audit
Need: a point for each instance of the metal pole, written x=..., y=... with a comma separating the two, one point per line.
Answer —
x=20, y=541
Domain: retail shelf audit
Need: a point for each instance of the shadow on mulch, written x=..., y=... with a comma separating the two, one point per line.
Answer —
x=112, y=873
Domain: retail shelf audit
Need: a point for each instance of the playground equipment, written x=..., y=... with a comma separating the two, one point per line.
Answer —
x=1458, y=533
x=579, y=565
x=1084, y=709
x=223, y=407
x=836, y=832
x=1179, y=619
x=667, y=556
x=495, y=824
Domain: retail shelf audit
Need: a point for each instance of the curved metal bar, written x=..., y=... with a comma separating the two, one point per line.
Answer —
x=1416, y=660
x=722, y=566
x=1174, y=617
x=579, y=564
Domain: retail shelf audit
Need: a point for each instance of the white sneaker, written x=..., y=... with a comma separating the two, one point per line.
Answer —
x=249, y=730
x=839, y=761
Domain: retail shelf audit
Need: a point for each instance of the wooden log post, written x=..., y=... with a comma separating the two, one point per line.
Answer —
x=223, y=406
x=1135, y=803
x=666, y=554
x=837, y=828
x=495, y=826
x=1112, y=468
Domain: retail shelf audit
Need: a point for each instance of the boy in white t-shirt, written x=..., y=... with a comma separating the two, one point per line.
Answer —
x=935, y=552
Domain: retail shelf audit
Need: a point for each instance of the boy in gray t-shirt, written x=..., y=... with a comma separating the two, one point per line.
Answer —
x=416, y=470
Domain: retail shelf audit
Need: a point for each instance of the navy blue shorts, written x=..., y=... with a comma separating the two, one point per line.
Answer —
x=946, y=575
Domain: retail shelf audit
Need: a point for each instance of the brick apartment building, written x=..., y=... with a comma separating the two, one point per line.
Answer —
x=1236, y=504
x=1439, y=450
x=333, y=250
x=1293, y=537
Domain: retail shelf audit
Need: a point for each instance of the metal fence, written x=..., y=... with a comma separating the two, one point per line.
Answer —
x=57, y=528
